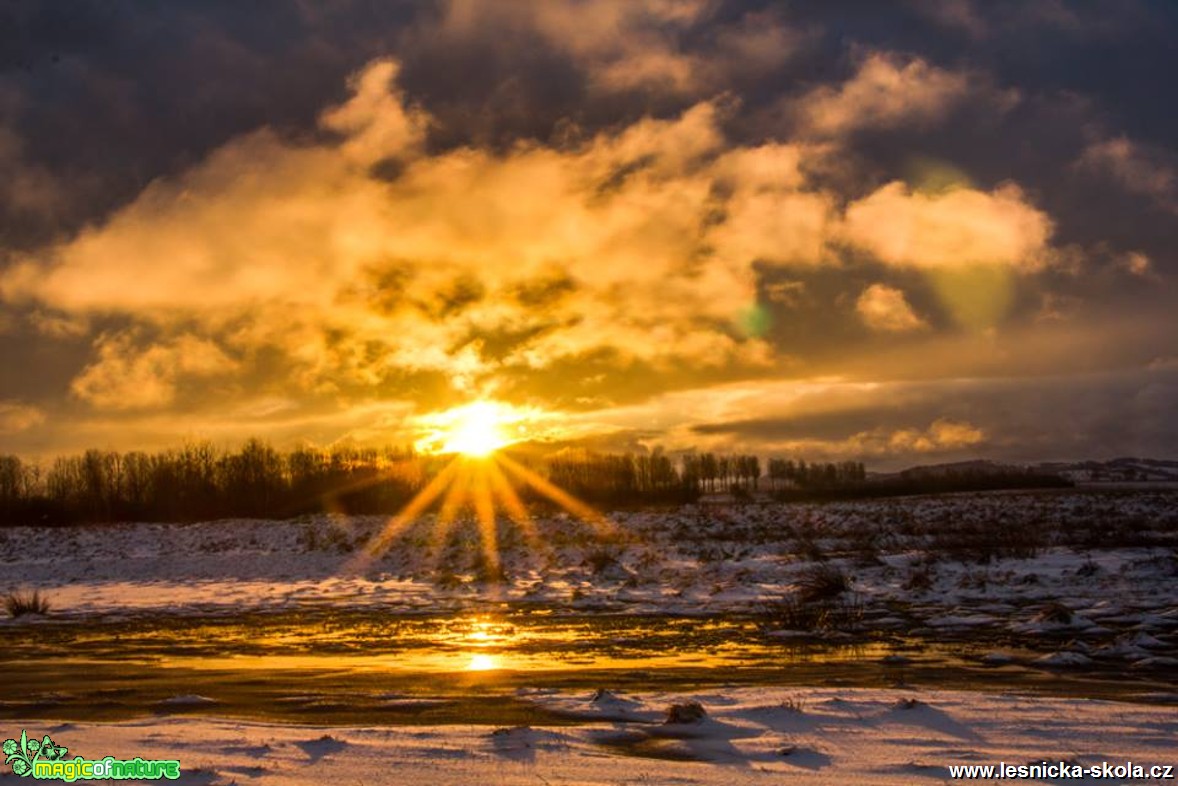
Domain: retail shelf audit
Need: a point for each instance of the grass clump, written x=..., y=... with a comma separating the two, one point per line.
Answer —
x=19, y=604
x=920, y=578
x=821, y=583
x=792, y=613
x=600, y=560
x=821, y=600
x=687, y=712
x=794, y=704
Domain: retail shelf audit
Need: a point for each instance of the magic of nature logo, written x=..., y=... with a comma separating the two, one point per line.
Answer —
x=44, y=759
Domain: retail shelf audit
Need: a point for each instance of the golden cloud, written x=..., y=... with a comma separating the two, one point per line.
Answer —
x=631, y=45
x=885, y=92
x=375, y=123
x=642, y=243
x=718, y=418
x=626, y=46
x=304, y=249
x=884, y=308
x=956, y=228
x=16, y=416
x=942, y=434
x=127, y=376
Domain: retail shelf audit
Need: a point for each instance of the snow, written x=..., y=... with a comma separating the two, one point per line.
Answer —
x=1094, y=588
x=749, y=736
x=907, y=571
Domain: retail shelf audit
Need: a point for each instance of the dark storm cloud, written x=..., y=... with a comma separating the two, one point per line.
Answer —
x=106, y=97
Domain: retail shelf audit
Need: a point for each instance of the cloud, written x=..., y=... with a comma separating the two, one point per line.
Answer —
x=769, y=216
x=358, y=260
x=623, y=46
x=1137, y=169
x=942, y=434
x=959, y=227
x=957, y=14
x=814, y=418
x=25, y=188
x=1057, y=308
x=884, y=308
x=126, y=376
x=58, y=325
x=375, y=122
x=16, y=416
x=356, y=276
x=1137, y=263
x=894, y=420
x=629, y=45
x=1164, y=363
x=886, y=92
x=577, y=203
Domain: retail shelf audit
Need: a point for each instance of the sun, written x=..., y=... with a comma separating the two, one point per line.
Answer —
x=480, y=428
x=482, y=477
x=483, y=662
x=476, y=430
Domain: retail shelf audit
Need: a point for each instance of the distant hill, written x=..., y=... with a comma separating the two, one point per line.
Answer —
x=1118, y=470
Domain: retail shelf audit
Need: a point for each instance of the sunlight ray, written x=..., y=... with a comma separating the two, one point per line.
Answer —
x=404, y=518
x=484, y=505
x=330, y=500
x=514, y=507
x=452, y=503
x=482, y=483
x=567, y=501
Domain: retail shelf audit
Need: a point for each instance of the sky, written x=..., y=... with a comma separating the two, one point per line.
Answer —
x=899, y=233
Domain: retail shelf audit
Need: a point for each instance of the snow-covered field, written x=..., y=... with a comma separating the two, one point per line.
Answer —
x=1082, y=581
x=1077, y=566
x=748, y=736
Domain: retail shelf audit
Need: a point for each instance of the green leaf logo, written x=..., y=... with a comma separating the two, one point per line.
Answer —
x=22, y=755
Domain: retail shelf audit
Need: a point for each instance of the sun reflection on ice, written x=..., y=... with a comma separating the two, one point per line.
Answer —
x=480, y=635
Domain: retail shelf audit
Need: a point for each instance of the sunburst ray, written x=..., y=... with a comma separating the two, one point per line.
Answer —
x=398, y=523
x=558, y=495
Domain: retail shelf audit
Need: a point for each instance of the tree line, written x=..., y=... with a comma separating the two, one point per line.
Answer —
x=787, y=473
x=200, y=482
